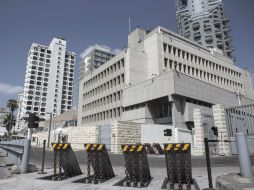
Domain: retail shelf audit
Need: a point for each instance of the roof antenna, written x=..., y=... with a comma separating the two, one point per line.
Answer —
x=129, y=25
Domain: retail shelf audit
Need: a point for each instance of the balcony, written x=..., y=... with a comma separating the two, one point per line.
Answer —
x=226, y=29
x=228, y=50
x=209, y=39
x=197, y=36
x=196, y=25
x=217, y=22
x=220, y=43
x=225, y=19
x=228, y=39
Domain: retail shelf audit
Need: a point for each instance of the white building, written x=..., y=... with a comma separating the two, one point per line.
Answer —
x=204, y=22
x=49, y=77
x=94, y=58
x=159, y=79
x=19, y=111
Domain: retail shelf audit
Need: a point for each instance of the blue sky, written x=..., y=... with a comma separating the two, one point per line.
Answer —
x=87, y=22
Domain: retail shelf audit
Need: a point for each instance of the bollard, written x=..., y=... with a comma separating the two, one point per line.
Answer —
x=243, y=155
x=178, y=165
x=208, y=164
x=25, y=157
x=43, y=158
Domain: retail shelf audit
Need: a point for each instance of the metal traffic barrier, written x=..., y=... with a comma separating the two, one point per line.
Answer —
x=65, y=162
x=98, y=158
x=158, y=148
x=178, y=162
x=149, y=148
x=136, y=166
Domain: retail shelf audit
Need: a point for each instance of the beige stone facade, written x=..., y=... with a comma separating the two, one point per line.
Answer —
x=124, y=133
x=204, y=120
x=77, y=136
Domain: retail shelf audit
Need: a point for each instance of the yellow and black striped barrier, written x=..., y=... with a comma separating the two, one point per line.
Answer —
x=178, y=162
x=98, y=160
x=158, y=148
x=65, y=162
x=136, y=166
x=149, y=148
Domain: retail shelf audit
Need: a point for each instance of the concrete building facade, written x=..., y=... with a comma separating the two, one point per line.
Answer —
x=94, y=58
x=204, y=22
x=159, y=79
x=49, y=77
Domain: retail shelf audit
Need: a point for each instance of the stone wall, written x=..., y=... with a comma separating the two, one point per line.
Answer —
x=204, y=120
x=77, y=136
x=220, y=123
x=124, y=132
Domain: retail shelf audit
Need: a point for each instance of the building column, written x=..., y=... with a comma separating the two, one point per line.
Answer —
x=198, y=147
x=178, y=106
x=220, y=123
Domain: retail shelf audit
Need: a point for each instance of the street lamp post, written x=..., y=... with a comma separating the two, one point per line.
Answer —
x=50, y=122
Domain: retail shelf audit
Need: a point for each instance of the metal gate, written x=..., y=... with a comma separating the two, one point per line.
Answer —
x=240, y=119
x=105, y=135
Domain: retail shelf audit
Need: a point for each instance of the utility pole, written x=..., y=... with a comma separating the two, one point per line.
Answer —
x=50, y=122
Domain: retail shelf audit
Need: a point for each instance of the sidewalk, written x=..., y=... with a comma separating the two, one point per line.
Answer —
x=31, y=181
x=4, y=163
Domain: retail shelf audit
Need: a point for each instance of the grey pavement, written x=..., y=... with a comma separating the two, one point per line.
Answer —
x=220, y=166
x=155, y=161
x=31, y=181
x=4, y=163
x=235, y=182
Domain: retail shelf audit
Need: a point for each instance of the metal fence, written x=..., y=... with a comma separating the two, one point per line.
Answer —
x=240, y=119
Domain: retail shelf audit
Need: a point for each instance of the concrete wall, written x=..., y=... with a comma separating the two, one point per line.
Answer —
x=124, y=133
x=152, y=133
x=77, y=136
x=190, y=87
x=151, y=89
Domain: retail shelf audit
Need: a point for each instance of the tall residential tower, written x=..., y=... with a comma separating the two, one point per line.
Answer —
x=94, y=58
x=49, y=77
x=204, y=22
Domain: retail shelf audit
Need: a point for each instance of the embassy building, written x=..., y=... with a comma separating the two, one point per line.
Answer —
x=159, y=79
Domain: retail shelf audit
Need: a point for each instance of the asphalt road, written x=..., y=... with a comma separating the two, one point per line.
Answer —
x=155, y=161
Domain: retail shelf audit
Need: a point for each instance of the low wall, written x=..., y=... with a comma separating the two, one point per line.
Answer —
x=154, y=133
x=124, y=132
x=77, y=136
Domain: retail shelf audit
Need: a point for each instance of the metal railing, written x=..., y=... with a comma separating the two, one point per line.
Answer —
x=18, y=152
x=240, y=119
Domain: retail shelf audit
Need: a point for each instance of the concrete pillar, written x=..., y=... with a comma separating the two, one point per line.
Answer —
x=178, y=106
x=220, y=123
x=198, y=147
